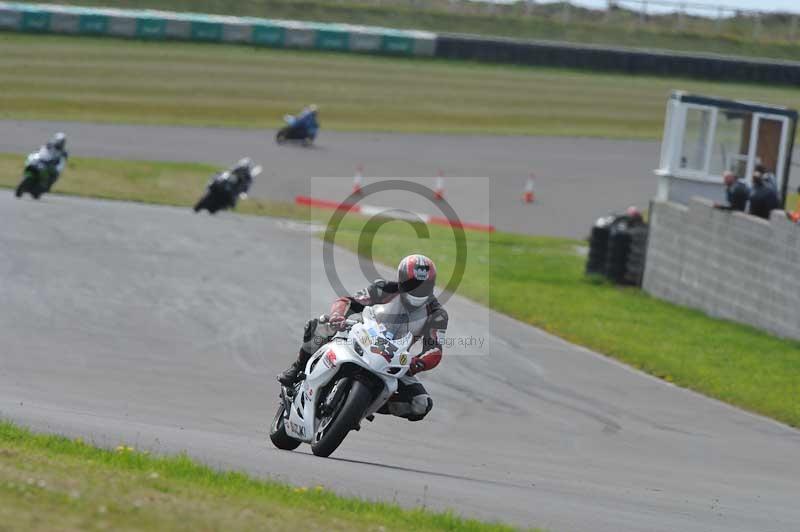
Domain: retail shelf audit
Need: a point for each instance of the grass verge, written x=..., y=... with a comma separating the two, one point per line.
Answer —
x=163, y=183
x=55, y=483
x=731, y=35
x=537, y=280
x=106, y=80
x=541, y=281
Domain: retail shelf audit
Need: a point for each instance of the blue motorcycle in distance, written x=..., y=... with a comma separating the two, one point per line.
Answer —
x=302, y=128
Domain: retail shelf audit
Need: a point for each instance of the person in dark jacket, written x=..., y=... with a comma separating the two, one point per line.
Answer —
x=763, y=198
x=736, y=192
x=768, y=176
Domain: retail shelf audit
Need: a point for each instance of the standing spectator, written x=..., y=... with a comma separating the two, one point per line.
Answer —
x=763, y=198
x=736, y=192
x=769, y=177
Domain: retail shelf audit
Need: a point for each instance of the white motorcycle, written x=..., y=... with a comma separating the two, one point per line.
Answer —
x=346, y=381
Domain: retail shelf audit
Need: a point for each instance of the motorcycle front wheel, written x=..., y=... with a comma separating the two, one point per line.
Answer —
x=277, y=432
x=344, y=418
x=282, y=136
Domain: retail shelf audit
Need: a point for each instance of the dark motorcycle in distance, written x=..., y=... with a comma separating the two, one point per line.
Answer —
x=302, y=129
x=224, y=190
x=40, y=173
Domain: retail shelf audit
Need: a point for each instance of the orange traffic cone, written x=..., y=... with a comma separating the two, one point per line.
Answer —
x=358, y=179
x=438, y=189
x=528, y=196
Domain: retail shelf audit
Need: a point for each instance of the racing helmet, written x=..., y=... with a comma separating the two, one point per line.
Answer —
x=59, y=141
x=416, y=277
x=242, y=168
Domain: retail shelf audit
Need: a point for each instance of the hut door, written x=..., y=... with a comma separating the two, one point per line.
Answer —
x=768, y=145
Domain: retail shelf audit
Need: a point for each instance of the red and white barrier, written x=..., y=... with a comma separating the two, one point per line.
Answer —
x=374, y=210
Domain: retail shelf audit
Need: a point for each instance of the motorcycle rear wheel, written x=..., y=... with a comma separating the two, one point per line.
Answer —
x=346, y=419
x=30, y=186
x=205, y=203
x=282, y=136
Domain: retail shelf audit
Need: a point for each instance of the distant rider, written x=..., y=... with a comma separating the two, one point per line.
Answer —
x=242, y=174
x=410, y=299
x=235, y=181
x=54, y=154
x=307, y=120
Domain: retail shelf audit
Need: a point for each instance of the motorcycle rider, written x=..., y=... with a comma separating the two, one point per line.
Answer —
x=307, y=120
x=54, y=154
x=237, y=179
x=411, y=300
x=243, y=176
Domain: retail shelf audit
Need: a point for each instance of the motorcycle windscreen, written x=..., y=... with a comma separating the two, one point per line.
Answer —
x=395, y=325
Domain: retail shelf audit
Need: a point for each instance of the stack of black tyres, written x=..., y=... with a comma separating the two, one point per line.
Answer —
x=637, y=252
x=617, y=249
x=619, y=246
x=598, y=246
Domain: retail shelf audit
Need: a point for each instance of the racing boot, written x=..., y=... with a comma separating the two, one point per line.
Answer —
x=289, y=376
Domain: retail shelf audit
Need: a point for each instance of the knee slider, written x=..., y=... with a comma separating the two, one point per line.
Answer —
x=420, y=406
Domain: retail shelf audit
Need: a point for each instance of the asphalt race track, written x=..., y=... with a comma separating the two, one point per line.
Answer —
x=163, y=329
x=577, y=180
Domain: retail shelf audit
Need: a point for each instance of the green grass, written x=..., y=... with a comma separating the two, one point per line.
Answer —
x=107, y=80
x=540, y=281
x=55, y=483
x=733, y=36
x=163, y=183
x=537, y=280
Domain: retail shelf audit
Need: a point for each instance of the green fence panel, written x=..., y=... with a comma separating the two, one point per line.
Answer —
x=151, y=28
x=97, y=24
x=206, y=31
x=333, y=40
x=269, y=35
x=396, y=44
x=144, y=24
x=35, y=21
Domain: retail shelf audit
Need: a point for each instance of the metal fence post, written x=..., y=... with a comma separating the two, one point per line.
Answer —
x=793, y=28
x=565, y=13
x=643, y=13
x=718, y=22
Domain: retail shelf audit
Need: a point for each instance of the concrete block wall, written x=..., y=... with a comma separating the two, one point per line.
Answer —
x=727, y=264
